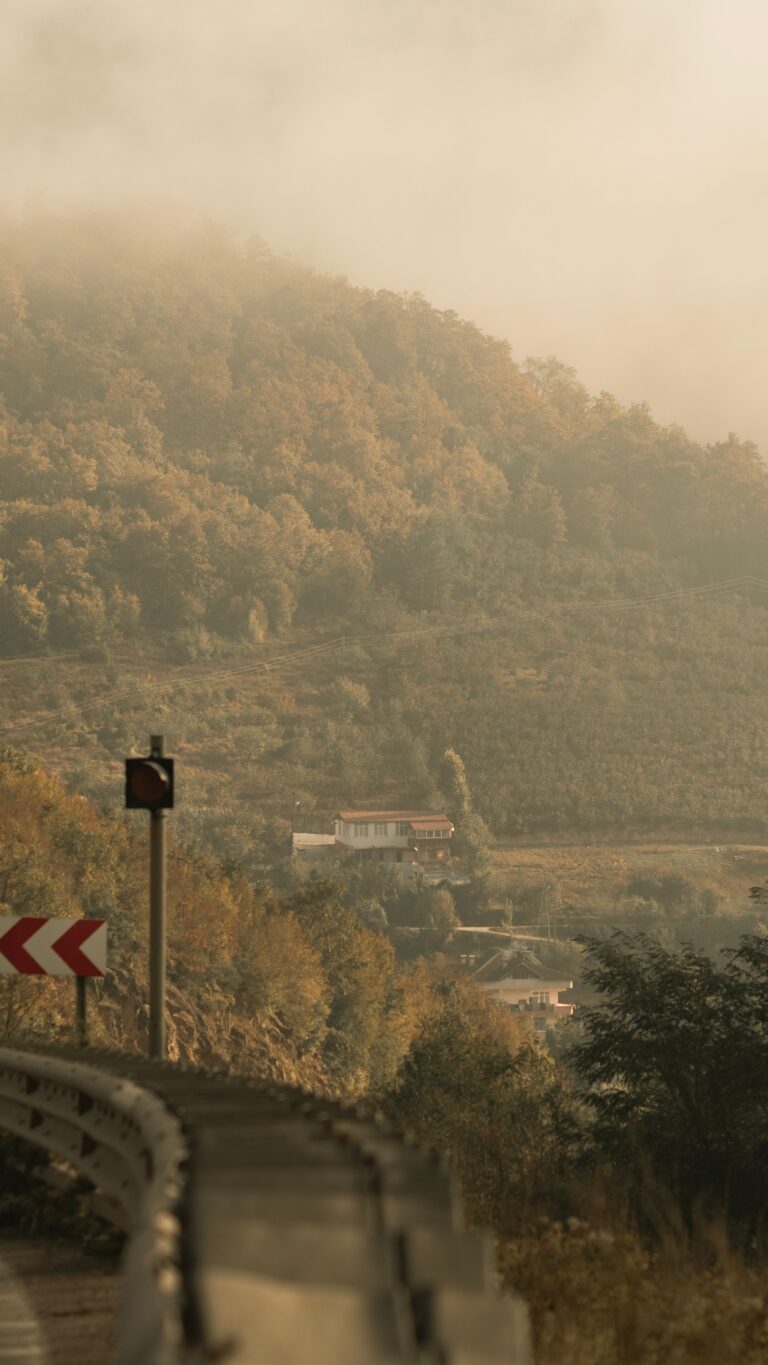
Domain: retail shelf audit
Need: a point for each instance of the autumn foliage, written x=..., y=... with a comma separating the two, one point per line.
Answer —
x=302, y=969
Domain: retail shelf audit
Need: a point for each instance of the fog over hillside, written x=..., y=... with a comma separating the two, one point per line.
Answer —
x=585, y=177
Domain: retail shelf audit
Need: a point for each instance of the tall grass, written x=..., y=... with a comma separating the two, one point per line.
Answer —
x=601, y=1292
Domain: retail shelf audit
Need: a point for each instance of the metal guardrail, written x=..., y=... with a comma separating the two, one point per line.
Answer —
x=131, y=1147
x=266, y=1226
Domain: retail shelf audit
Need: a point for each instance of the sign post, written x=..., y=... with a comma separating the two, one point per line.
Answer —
x=149, y=786
x=32, y=945
x=81, y=1017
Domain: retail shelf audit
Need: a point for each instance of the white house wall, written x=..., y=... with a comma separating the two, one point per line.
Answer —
x=345, y=835
x=390, y=840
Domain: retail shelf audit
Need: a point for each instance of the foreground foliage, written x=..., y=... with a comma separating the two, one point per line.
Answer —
x=630, y=1207
x=675, y=1061
x=599, y=1295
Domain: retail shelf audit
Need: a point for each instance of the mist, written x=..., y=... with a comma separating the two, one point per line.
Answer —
x=584, y=177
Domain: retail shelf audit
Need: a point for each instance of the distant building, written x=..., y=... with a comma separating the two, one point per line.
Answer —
x=419, y=838
x=530, y=989
x=314, y=848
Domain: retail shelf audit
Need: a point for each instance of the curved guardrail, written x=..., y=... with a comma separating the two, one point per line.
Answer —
x=266, y=1226
x=131, y=1147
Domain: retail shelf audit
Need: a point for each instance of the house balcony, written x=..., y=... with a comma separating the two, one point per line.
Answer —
x=430, y=852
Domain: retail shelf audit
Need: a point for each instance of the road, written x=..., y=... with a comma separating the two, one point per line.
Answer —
x=57, y=1305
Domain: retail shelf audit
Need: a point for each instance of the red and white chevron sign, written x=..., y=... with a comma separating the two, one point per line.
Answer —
x=52, y=947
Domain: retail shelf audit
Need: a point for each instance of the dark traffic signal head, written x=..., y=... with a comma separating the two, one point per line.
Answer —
x=149, y=783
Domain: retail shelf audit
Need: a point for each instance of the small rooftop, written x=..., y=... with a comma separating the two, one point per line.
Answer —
x=426, y=819
x=503, y=967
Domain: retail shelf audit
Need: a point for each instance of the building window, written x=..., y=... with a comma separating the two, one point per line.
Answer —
x=540, y=998
x=361, y=831
x=380, y=829
x=401, y=829
x=345, y=829
x=540, y=1025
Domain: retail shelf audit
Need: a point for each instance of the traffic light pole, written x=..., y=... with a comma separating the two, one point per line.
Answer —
x=157, y=920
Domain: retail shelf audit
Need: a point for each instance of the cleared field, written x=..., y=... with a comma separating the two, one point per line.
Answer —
x=596, y=875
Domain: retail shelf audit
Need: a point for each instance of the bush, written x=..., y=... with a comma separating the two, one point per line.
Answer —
x=675, y=1066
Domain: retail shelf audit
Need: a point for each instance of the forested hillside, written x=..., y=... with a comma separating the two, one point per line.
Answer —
x=211, y=459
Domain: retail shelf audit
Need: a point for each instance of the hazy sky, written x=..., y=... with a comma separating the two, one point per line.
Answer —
x=584, y=177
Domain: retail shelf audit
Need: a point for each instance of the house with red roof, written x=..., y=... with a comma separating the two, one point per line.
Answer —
x=421, y=838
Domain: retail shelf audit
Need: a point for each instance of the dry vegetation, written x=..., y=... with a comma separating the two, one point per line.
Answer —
x=599, y=1297
x=594, y=876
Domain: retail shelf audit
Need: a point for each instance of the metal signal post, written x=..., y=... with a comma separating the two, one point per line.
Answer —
x=149, y=786
x=157, y=920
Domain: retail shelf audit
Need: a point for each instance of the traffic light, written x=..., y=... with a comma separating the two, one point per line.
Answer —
x=149, y=783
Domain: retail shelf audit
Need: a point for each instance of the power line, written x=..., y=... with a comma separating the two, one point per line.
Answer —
x=263, y=665
x=311, y=652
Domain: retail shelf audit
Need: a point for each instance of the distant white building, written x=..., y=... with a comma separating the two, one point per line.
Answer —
x=521, y=986
x=421, y=838
x=313, y=847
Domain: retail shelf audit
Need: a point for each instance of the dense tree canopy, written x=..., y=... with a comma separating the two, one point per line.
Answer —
x=214, y=449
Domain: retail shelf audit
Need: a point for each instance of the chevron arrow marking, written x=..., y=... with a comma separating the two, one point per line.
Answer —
x=33, y=946
x=69, y=948
x=17, y=932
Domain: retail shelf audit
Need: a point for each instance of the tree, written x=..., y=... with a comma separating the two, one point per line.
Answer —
x=280, y=973
x=372, y=914
x=473, y=841
x=363, y=1045
x=441, y=913
x=354, y=697
x=675, y=1065
x=23, y=616
x=538, y=513
x=475, y=1087
x=458, y=785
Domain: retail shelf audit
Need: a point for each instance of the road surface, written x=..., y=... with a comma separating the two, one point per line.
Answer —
x=58, y=1306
